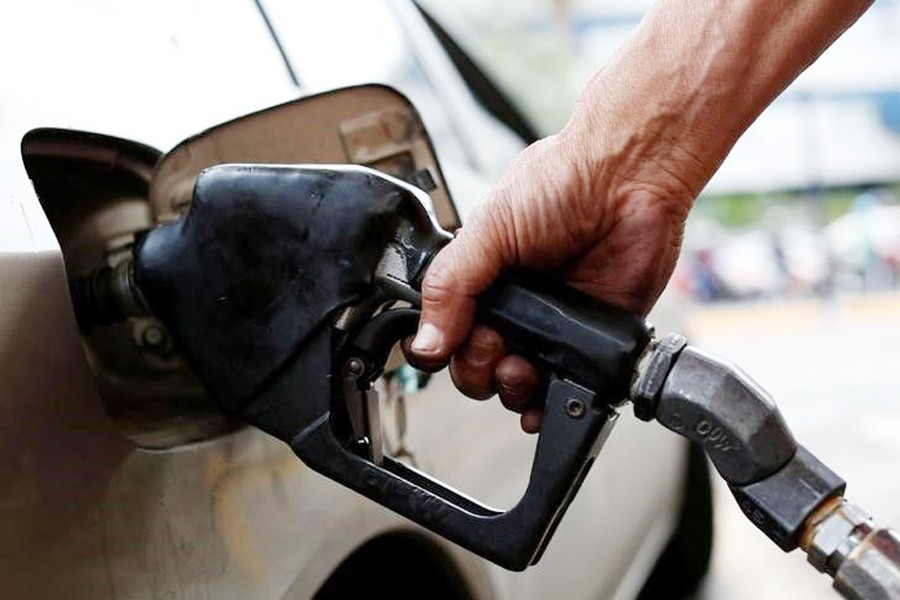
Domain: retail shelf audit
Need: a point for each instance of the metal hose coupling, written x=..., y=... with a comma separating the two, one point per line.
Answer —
x=107, y=295
x=840, y=539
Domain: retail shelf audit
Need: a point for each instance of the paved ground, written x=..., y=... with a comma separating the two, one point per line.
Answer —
x=834, y=370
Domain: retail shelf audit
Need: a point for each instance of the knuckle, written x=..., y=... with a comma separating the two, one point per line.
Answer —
x=484, y=348
x=513, y=380
x=511, y=403
x=516, y=372
x=474, y=383
x=438, y=284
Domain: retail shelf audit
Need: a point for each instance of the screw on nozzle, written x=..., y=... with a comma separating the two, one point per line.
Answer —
x=107, y=295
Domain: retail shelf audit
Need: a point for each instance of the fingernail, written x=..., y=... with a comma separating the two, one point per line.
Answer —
x=428, y=339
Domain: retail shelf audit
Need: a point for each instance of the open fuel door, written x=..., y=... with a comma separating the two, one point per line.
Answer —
x=370, y=125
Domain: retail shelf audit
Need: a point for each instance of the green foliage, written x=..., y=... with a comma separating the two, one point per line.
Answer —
x=746, y=210
x=526, y=47
x=736, y=210
x=837, y=202
x=536, y=72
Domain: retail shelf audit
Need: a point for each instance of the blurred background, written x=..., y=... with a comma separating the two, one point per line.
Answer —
x=791, y=261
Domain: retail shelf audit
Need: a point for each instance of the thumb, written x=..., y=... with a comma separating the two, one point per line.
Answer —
x=458, y=274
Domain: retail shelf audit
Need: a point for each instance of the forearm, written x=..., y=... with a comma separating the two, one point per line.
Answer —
x=690, y=80
x=602, y=205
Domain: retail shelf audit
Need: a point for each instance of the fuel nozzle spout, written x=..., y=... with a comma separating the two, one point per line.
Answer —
x=107, y=295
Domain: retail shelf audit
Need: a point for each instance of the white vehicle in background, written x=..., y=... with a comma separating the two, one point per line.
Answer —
x=120, y=479
x=865, y=243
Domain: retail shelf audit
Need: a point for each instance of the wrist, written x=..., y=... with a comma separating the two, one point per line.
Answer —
x=630, y=141
x=672, y=101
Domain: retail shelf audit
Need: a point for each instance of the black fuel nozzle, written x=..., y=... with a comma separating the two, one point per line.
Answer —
x=281, y=287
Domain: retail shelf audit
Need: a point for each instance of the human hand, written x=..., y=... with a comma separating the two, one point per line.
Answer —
x=602, y=204
x=613, y=237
